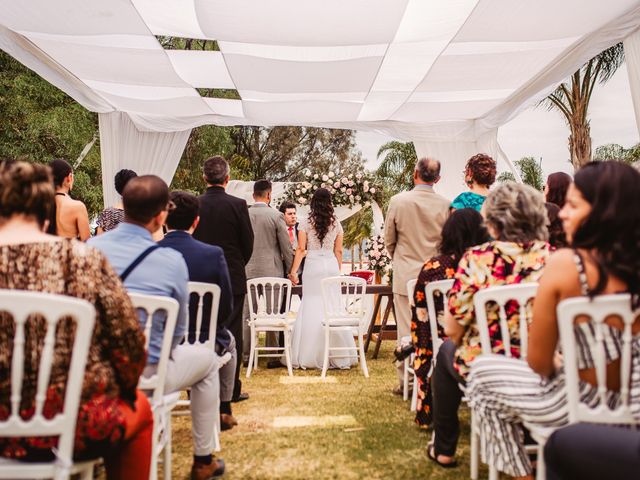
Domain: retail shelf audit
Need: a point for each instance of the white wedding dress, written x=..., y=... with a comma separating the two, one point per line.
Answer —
x=307, y=344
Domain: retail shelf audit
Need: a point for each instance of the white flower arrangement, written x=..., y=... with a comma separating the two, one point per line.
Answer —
x=379, y=259
x=347, y=189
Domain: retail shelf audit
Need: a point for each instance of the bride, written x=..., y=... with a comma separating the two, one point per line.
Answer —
x=320, y=234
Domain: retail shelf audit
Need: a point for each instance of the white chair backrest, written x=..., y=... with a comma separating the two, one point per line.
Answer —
x=20, y=305
x=411, y=286
x=522, y=293
x=202, y=289
x=442, y=286
x=344, y=298
x=269, y=297
x=597, y=310
x=152, y=304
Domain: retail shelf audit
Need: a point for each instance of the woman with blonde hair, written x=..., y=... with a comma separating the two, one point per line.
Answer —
x=114, y=418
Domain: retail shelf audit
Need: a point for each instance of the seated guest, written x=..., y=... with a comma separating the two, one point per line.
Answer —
x=601, y=219
x=479, y=175
x=463, y=229
x=555, y=190
x=592, y=452
x=557, y=238
x=110, y=217
x=515, y=216
x=206, y=264
x=71, y=217
x=114, y=419
x=153, y=270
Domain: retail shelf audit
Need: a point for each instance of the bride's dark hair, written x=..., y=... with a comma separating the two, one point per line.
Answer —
x=611, y=231
x=321, y=215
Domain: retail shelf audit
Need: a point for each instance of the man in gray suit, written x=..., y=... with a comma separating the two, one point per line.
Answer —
x=272, y=253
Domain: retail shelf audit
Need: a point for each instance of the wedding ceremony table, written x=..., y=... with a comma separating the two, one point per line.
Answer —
x=380, y=291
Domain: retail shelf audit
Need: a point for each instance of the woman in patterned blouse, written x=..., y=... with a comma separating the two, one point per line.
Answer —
x=114, y=418
x=110, y=217
x=463, y=229
x=516, y=217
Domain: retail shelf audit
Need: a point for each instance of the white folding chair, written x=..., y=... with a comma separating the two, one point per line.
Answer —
x=522, y=293
x=198, y=291
x=408, y=362
x=20, y=305
x=596, y=311
x=344, y=310
x=161, y=404
x=269, y=301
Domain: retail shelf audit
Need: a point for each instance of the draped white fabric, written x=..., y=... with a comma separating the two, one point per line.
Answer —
x=409, y=68
x=122, y=145
x=632, y=56
x=443, y=73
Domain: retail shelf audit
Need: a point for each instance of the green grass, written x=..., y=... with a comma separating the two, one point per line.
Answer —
x=384, y=442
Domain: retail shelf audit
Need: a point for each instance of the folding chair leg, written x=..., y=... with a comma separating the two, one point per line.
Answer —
x=167, y=448
x=325, y=363
x=475, y=448
x=541, y=469
x=287, y=351
x=405, y=380
x=252, y=352
x=153, y=474
x=363, y=358
x=414, y=394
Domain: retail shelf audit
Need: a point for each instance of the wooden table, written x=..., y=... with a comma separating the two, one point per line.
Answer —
x=380, y=291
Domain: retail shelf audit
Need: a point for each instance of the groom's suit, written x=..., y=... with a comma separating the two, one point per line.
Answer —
x=272, y=253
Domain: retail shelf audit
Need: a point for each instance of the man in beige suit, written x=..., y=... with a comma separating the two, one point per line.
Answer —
x=272, y=253
x=412, y=232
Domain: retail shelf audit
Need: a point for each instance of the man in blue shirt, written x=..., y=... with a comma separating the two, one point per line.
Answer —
x=206, y=263
x=163, y=272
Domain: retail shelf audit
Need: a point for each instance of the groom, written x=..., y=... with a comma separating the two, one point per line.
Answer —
x=272, y=253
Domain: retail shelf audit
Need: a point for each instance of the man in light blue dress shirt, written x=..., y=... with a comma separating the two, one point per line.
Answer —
x=163, y=272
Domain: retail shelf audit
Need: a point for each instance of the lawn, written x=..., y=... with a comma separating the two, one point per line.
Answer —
x=345, y=428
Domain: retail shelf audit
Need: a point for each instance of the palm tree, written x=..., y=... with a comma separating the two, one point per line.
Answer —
x=396, y=169
x=530, y=171
x=357, y=229
x=572, y=100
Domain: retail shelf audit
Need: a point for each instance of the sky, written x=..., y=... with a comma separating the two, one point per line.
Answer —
x=537, y=132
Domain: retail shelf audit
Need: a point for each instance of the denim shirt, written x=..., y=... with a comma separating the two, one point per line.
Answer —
x=163, y=273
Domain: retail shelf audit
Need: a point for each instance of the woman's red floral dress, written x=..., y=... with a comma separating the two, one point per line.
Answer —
x=437, y=268
x=116, y=355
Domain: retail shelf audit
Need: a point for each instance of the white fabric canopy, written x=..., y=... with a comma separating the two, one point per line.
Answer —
x=436, y=72
x=124, y=146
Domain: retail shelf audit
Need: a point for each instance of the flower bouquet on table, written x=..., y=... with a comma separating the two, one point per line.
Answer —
x=346, y=189
x=379, y=259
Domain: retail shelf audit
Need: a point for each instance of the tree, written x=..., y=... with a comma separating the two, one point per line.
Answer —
x=396, y=169
x=572, y=100
x=357, y=229
x=613, y=151
x=530, y=171
x=283, y=153
x=40, y=123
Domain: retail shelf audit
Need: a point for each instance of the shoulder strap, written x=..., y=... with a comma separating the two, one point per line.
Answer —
x=582, y=276
x=137, y=262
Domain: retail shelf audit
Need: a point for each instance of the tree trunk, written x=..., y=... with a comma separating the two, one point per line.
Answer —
x=353, y=258
x=580, y=144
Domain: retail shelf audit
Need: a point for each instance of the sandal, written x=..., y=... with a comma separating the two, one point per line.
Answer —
x=431, y=454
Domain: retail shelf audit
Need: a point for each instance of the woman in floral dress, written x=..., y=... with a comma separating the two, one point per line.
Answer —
x=517, y=219
x=463, y=229
x=114, y=418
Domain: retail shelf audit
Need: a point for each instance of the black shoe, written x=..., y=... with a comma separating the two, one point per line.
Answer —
x=275, y=364
x=240, y=398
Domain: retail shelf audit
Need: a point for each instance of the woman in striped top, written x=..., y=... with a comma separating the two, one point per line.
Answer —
x=602, y=222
